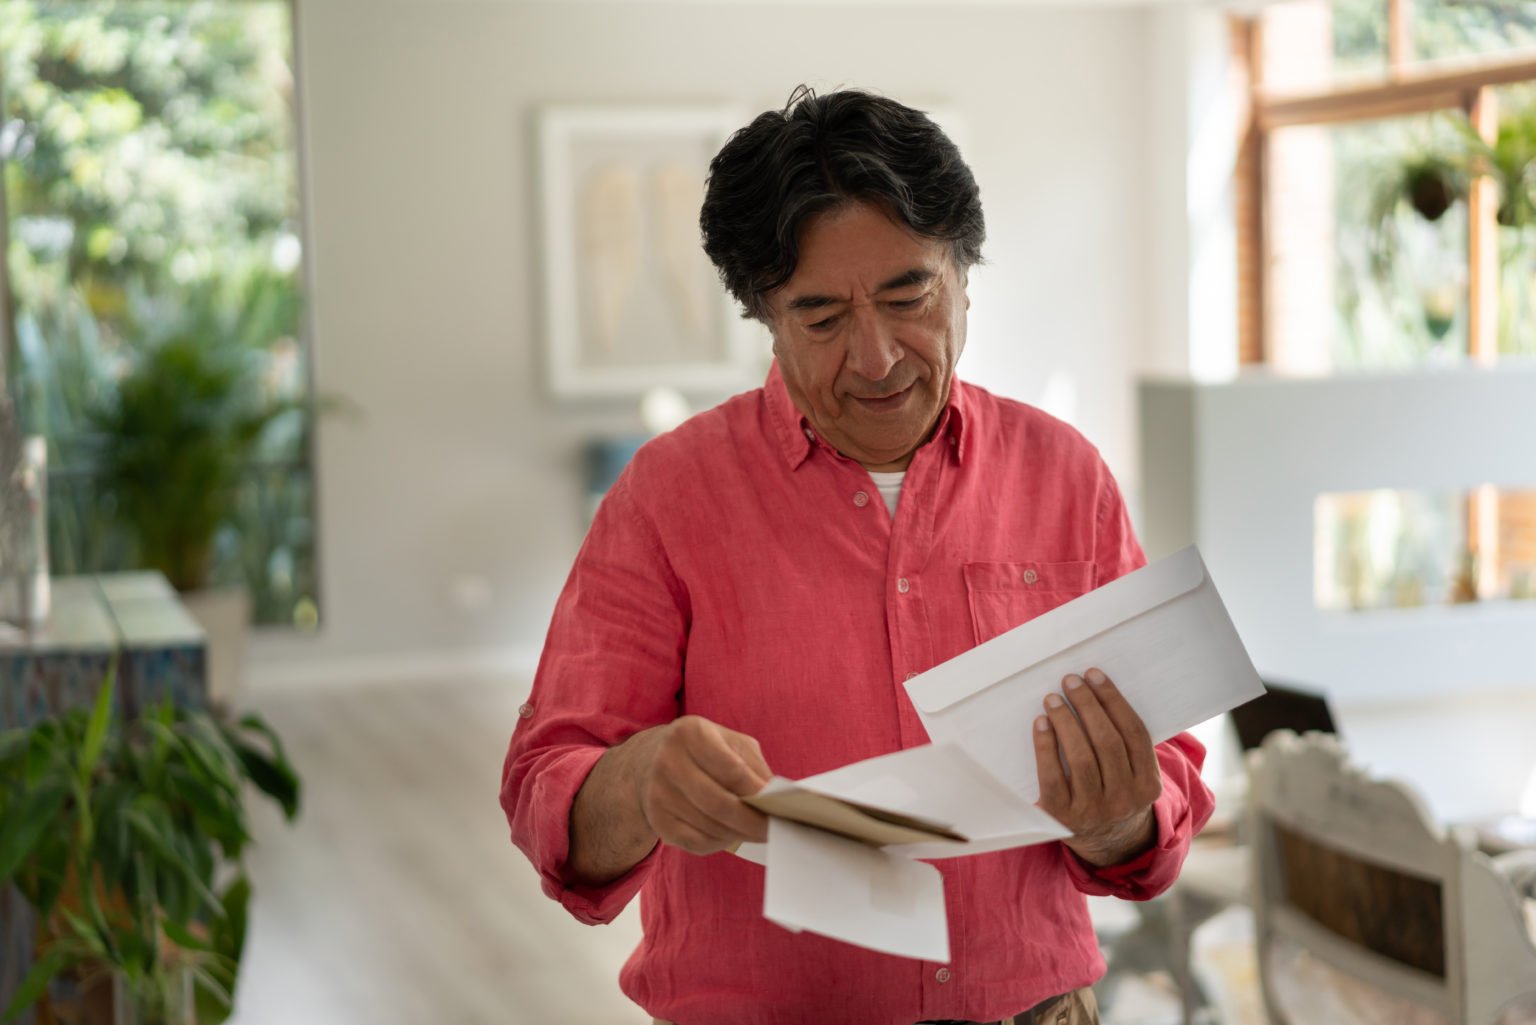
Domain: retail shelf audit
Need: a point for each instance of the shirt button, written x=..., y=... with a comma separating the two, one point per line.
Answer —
x=860, y=499
x=1030, y=576
x=911, y=676
x=903, y=586
x=809, y=436
x=942, y=975
x=525, y=711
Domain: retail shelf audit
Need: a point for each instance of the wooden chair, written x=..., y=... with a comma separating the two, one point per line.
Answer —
x=1358, y=889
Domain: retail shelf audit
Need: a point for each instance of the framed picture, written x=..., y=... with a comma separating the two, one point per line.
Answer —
x=631, y=301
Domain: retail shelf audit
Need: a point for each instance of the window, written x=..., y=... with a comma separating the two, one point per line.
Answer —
x=1396, y=155
x=1387, y=219
x=151, y=199
x=1404, y=549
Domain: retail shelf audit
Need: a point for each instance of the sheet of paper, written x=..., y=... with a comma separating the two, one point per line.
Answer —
x=852, y=892
x=1162, y=633
x=941, y=783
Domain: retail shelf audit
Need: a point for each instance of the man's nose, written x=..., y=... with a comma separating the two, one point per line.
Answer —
x=872, y=346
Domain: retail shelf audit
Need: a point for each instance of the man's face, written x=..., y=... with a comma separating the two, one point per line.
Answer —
x=867, y=333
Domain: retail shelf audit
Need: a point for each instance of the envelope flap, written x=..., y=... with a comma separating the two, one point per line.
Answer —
x=1063, y=627
x=874, y=826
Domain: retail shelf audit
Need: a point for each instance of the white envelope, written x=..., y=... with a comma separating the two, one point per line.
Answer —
x=942, y=783
x=1161, y=633
x=853, y=892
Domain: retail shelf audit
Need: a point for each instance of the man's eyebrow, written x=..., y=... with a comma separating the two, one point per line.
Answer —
x=915, y=276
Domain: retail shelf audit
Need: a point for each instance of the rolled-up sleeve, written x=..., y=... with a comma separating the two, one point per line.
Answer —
x=1181, y=811
x=611, y=667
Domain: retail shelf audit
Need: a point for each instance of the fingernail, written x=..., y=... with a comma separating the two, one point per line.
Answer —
x=1074, y=682
x=1053, y=701
x=1042, y=725
x=1097, y=678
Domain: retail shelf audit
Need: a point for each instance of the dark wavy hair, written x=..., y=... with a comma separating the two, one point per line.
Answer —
x=816, y=154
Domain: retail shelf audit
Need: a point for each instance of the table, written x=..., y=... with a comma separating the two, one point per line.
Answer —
x=135, y=618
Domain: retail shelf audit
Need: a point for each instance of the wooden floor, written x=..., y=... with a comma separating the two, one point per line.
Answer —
x=398, y=899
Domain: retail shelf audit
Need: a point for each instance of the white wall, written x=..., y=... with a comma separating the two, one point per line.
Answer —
x=1237, y=468
x=426, y=285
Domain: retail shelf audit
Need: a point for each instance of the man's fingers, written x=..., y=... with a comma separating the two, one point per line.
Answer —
x=1108, y=747
x=1055, y=791
x=1138, y=742
x=735, y=764
x=1087, y=782
x=700, y=776
x=724, y=808
x=750, y=752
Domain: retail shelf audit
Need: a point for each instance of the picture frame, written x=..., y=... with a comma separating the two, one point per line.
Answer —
x=631, y=302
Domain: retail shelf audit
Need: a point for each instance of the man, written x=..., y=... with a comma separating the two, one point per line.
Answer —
x=759, y=583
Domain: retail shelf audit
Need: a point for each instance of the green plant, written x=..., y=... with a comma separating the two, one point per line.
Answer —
x=127, y=839
x=189, y=415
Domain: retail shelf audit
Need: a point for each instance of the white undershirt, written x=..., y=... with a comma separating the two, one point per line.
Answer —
x=889, y=485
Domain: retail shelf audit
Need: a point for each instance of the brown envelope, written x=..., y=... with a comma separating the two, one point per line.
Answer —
x=873, y=826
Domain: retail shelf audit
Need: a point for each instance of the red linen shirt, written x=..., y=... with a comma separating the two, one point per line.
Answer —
x=742, y=570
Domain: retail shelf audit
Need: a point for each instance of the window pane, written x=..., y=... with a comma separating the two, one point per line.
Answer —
x=1368, y=250
x=1314, y=44
x=1401, y=549
x=1467, y=28
x=1516, y=162
x=150, y=178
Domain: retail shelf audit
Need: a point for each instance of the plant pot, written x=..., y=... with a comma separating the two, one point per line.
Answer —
x=224, y=613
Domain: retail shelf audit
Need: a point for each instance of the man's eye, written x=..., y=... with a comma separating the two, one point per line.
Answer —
x=822, y=325
x=906, y=304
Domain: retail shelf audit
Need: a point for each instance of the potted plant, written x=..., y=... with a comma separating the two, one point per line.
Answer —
x=193, y=408
x=126, y=839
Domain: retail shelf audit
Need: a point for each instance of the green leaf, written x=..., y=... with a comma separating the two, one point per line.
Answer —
x=154, y=835
x=278, y=781
x=183, y=937
x=254, y=723
x=13, y=748
x=43, y=749
x=25, y=823
x=37, y=980
x=229, y=931
x=96, y=732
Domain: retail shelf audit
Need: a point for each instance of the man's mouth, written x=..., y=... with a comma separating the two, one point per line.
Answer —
x=890, y=402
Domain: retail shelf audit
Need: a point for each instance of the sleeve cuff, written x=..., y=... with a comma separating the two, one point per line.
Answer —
x=1148, y=873
x=549, y=847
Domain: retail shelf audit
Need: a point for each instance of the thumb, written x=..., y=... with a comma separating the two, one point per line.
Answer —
x=747, y=749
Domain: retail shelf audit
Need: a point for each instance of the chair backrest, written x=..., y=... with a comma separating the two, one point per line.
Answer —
x=1356, y=873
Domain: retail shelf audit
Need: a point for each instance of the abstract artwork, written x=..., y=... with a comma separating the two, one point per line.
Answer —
x=631, y=301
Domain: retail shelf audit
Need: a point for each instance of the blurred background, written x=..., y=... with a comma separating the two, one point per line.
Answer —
x=341, y=315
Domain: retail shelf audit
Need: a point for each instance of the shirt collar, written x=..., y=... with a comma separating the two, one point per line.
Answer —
x=796, y=436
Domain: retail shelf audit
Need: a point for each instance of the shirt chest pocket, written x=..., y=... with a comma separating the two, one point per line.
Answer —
x=1005, y=594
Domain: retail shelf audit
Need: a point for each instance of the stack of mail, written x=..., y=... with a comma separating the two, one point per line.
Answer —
x=844, y=846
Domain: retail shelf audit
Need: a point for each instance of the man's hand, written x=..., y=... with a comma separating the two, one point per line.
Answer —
x=1111, y=778
x=691, y=776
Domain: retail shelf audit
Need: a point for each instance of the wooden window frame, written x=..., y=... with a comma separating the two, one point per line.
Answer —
x=1409, y=88
x=1467, y=86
